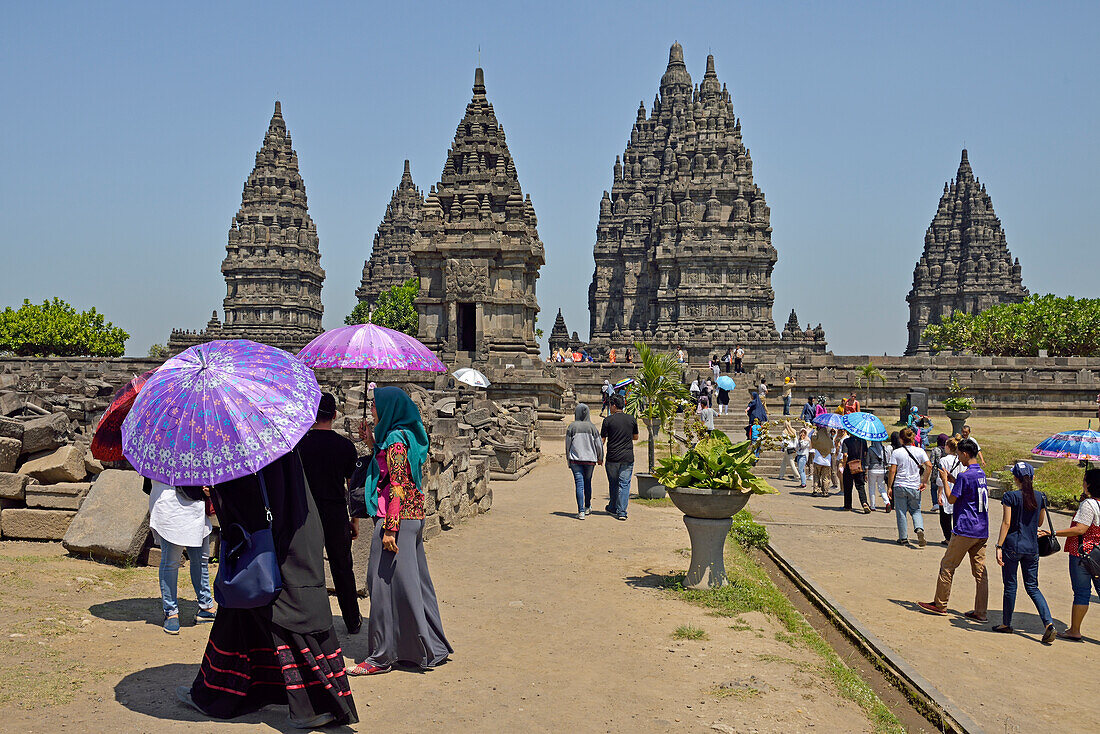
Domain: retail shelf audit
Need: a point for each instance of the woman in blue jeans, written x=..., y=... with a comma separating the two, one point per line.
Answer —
x=583, y=450
x=1084, y=535
x=1018, y=546
x=907, y=476
x=178, y=519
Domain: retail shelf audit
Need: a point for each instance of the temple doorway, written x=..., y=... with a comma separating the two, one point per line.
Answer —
x=467, y=327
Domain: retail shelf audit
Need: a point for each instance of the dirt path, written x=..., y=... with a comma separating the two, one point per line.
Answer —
x=557, y=623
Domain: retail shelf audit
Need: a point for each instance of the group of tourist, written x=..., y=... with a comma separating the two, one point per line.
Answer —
x=898, y=472
x=612, y=446
x=312, y=501
x=562, y=355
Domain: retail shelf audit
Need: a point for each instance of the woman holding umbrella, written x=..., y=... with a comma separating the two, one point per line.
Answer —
x=404, y=614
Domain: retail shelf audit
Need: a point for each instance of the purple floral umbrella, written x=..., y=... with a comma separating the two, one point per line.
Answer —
x=367, y=347
x=219, y=411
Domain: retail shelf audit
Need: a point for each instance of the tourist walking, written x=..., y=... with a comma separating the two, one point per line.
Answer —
x=286, y=651
x=948, y=469
x=851, y=405
x=619, y=432
x=908, y=470
x=822, y=464
x=178, y=519
x=583, y=451
x=723, y=401
x=404, y=624
x=756, y=410
x=1018, y=546
x=739, y=360
x=969, y=498
x=876, y=475
x=788, y=390
x=681, y=355
x=329, y=461
x=790, y=452
x=694, y=390
x=714, y=368
x=854, y=463
x=934, y=456
x=605, y=396
x=979, y=456
x=802, y=455
x=1083, y=536
x=705, y=413
x=838, y=452
x=808, y=413
x=727, y=360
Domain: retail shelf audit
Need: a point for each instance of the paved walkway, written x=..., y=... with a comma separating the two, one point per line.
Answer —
x=1006, y=683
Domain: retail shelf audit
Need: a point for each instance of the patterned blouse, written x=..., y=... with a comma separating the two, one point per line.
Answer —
x=408, y=502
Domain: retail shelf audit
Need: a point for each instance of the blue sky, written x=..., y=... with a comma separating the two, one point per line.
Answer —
x=127, y=130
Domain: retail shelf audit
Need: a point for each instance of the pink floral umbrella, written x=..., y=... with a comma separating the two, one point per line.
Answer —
x=367, y=347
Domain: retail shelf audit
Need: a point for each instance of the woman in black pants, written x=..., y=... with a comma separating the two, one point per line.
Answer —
x=854, y=463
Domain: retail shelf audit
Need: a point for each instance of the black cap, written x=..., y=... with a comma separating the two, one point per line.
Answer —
x=326, y=410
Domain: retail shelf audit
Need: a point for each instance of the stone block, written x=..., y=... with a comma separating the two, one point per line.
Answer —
x=10, y=448
x=30, y=524
x=486, y=502
x=480, y=487
x=11, y=428
x=92, y=465
x=478, y=418
x=113, y=521
x=10, y=402
x=46, y=433
x=61, y=496
x=64, y=465
x=432, y=528
x=445, y=427
x=13, y=486
x=445, y=407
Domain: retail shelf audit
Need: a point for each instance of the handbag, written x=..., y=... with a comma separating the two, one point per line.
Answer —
x=1048, y=544
x=248, y=575
x=1090, y=560
x=855, y=466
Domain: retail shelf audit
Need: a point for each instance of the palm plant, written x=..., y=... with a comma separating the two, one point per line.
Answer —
x=657, y=392
x=869, y=373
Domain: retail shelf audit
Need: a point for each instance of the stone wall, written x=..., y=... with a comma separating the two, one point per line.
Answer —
x=1006, y=385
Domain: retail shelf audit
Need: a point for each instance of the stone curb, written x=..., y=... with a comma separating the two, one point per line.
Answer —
x=926, y=698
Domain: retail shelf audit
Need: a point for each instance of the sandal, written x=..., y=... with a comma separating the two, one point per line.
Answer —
x=1068, y=637
x=1003, y=628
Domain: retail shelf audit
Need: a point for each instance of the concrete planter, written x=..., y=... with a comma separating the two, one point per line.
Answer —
x=707, y=515
x=958, y=420
x=649, y=488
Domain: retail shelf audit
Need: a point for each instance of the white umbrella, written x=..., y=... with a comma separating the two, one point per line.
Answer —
x=471, y=377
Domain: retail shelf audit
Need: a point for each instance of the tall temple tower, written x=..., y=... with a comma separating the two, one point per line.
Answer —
x=390, y=263
x=966, y=265
x=478, y=251
x=272, y=267
x=683, y=247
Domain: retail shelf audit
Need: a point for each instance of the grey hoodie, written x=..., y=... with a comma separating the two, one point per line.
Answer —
x=582, y=439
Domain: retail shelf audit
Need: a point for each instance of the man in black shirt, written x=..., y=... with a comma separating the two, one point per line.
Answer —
x=329, y=460
x=619, y=432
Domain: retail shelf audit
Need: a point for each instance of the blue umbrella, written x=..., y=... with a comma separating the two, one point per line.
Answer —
x=726, y=382
x=864, y=425
x=1081, y=445
x=829, y=420
x=623, y=383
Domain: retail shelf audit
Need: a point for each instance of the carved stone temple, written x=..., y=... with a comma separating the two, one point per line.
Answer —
x=966, y=265
x=683, y=246
x=390, y=262
x=272, y=266
x=478, y=251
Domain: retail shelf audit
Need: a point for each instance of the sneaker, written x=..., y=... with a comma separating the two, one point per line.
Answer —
x=621, y=517
x=920, y=538
x=903, y=541
x=580, y=515
x=931, y=608
x=1048, y=634
x=172, y=624
x=608, y=510
x=204, y=616
x=365, y=669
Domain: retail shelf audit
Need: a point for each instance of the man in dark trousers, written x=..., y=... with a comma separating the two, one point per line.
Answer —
x=619, y=432
x=329, y=460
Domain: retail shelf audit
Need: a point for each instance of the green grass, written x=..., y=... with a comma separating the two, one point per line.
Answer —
x=751, y=590
x=688, y=632
x=739, y=691
x=661, y=502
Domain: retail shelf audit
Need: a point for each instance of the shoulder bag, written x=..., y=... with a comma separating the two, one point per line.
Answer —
x=1048, y=544
x=248, y=575
x=855, y=466
x=1090, y=560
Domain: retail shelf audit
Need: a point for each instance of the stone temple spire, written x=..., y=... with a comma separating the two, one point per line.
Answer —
x=478, y=251
x=272, y=267
x=559, y=335
x=390, y=262
x=966, y=265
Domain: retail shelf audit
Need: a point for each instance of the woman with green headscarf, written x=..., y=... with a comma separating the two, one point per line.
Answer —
x=404, y=622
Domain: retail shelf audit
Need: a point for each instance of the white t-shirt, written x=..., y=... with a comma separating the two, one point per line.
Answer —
x=1088, y=513
x=821, y=459
x=950, y=464
x=177, y=519
x=908, y=474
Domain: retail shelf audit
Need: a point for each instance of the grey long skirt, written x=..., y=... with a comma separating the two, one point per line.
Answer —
x=404, y=622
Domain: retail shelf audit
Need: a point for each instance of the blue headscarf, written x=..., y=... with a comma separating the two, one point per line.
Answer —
x=398, y=422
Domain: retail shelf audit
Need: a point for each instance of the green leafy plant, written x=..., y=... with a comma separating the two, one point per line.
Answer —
x=159, y=351
x=657, y=392
x=747, y=532
x=714, y=463
x=868, y=373
x=1064, y=327
x=957, y=402
x=396, y=309
x=689, y=632
x=55, y=328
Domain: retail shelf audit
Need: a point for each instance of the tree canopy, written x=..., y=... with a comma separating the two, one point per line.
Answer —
x=56, y=329
x=1063, y=326
x=395, y=309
